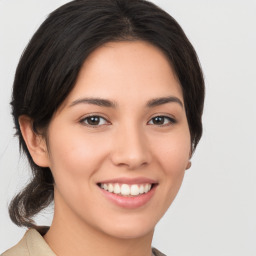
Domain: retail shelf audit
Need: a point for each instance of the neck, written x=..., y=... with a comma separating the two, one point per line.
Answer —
x=71, y=236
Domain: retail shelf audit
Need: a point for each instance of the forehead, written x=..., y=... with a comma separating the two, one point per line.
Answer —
x=125, y=70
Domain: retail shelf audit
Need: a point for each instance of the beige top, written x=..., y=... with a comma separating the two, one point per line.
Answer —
x=33, y=244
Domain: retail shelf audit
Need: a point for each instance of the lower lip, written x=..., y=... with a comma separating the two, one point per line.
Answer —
x=130, y=202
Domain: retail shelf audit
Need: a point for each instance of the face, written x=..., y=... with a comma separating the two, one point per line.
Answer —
x=119, y=145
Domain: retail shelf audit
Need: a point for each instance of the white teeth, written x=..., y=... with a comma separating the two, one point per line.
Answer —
x=110, y=188
x=117, y=189
x=135, y=190
x=147, y=188
x=125, y=189
x=141, y=189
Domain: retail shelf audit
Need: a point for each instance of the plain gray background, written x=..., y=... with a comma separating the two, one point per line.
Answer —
x=215, y=210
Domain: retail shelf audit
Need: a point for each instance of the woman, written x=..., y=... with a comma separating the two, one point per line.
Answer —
x=107, y=103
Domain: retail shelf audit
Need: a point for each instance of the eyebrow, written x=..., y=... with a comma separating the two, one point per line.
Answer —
x=164, y=100
x=111, y=104
x=94, y=101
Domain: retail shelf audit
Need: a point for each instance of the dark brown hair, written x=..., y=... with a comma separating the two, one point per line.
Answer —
x=50, y=64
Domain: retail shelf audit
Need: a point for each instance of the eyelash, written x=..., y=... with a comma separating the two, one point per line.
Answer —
x=167, y=121
x=85, y=120
x=170, y=120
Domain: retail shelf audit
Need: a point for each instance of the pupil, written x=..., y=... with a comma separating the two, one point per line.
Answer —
x=94, y=120
x=158, y=120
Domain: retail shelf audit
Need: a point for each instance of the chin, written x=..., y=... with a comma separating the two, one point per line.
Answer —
x=131, y=233
x=131, y=229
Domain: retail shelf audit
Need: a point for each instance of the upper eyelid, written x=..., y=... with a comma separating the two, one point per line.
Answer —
x=163, y=115
x=81, y=120
x=93, y=114
x=172, y=119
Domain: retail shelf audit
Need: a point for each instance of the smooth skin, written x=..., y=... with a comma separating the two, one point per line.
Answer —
x=130, y=134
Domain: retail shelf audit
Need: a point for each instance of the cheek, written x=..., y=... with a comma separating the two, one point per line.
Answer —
x=173, y=152
x=75, y=158
x=74, y=161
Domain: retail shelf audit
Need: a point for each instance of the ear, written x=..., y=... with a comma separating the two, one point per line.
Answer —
x=189, y=161
x=188, y=165
x=36, y=144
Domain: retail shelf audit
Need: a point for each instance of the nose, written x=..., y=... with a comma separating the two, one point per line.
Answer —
x=130, y=148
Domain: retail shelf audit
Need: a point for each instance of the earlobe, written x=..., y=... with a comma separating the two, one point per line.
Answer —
x=36, y=144
x=188, y=165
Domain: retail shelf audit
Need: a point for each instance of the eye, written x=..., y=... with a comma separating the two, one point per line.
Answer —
x=162, y=121
x=94, y=121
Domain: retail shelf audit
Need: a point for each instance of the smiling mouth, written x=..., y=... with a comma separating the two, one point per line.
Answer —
x=127, y=190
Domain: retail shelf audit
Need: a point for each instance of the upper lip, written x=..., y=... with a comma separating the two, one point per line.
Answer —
x=125, y=180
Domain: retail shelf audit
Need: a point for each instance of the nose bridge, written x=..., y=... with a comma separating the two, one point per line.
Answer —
x=131, y=147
